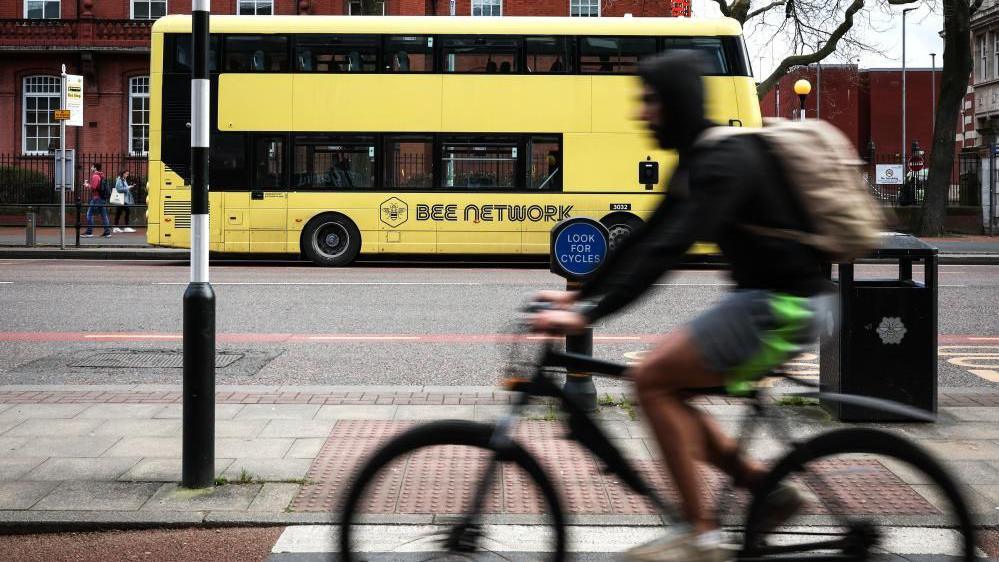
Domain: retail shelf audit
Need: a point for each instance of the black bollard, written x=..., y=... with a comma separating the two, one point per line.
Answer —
x=198, y=470
x=580, y=385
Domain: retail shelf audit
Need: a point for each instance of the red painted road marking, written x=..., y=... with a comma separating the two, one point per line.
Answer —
x=45, y=337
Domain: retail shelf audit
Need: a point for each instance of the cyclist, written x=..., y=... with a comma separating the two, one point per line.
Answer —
x=781, y=294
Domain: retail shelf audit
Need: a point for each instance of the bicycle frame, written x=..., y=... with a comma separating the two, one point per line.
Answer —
x=586, y=432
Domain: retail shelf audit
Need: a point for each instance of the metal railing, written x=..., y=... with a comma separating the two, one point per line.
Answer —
x=964, y=189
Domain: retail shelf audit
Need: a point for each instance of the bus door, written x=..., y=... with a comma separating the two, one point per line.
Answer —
x=268, y=204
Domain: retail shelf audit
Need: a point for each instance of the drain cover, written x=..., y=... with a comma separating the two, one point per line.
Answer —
x=148, y=360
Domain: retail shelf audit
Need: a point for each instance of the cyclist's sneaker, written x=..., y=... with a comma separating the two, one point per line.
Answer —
x=684, y=546
x=784, y=503
x=128, y=229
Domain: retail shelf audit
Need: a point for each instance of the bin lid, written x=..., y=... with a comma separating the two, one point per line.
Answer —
x=896, y=244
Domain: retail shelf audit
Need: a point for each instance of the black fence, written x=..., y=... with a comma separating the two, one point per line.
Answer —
x=29, y=181
x=964, y=189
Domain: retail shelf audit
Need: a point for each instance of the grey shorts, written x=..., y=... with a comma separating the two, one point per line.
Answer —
x=752, y=332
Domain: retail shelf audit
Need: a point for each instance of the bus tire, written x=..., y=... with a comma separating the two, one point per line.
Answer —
x=331, y=240
x=620, y=226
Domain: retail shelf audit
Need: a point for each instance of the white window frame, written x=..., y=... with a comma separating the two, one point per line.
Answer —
x=43, y=11
x=57, y=81
x=471, y=5
x=256, y=5
x=134, y=83
x=983, y=68
x=131, y=9
x=588, y=2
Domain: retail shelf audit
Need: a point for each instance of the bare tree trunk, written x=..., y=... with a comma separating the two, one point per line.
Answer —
x=957, y=64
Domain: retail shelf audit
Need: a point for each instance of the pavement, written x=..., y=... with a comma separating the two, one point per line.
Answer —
x=109, y=456
x=953, y=249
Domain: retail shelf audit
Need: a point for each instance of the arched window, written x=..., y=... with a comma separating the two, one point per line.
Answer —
x=138, y=115
x=39, y=100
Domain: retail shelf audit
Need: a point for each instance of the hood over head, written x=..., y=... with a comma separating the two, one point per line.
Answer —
x=676, y=78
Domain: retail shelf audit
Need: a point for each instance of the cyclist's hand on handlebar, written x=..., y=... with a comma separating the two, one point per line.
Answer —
x=557, y=321
x=561, y=299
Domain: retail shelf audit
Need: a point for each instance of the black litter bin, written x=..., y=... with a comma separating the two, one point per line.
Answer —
x=886, y=346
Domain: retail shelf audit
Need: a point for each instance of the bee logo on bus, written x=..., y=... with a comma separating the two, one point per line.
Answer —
x=394, y=212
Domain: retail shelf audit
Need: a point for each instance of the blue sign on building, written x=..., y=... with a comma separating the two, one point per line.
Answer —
x=579, y=247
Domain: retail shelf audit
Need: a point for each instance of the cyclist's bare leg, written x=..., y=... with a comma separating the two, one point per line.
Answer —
x=686, y=435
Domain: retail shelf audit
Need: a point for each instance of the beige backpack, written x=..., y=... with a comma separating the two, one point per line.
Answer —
x=822, y=167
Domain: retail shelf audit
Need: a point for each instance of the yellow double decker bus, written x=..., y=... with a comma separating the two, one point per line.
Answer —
x=334, y=136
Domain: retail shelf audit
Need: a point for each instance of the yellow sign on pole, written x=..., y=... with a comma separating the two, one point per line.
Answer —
x=61, y=114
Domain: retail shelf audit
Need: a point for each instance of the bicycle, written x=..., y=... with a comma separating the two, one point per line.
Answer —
x=824, y=462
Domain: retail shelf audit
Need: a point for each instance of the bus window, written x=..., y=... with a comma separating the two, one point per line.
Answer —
x=487, y=165
x=227, y=164
x=709, y=47
x=330, y=163
x=179, y=53
x=613, y=55
x=270, y=162
x=356, y=53
x=545, y=168
x=487, y=55
x=409, y=162
x=548, y=54
x=409, y=53
x=256, y=53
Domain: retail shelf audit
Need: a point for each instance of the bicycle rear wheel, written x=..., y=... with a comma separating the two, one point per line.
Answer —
x=882, y=497
x=411, y=499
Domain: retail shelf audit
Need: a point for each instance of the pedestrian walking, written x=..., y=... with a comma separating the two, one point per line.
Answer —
x=99, y=194
x=123, y=200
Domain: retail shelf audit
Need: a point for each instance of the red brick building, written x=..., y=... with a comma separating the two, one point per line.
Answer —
x=867, y=104
x=107, y=41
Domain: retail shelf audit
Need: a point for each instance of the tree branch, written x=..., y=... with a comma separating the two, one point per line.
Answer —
x=806, y=59
x=725, y=10
x=768, y=7
x=974, y=6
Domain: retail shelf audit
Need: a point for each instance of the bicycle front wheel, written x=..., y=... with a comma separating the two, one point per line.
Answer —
x=881, y=497
x=412, y=500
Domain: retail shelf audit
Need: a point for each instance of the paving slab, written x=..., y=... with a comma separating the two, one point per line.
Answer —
x=252, y=448
x=348, y=412
x=974, y=413
x=274, y=497
x=965, y=472
x=98, y=496
x=41, y=427
x=122, y=411
x=413, y=412
x=222, y=411
x=962, y=450
x=307, y=448
x=231, y=497
x=23, y=495
x=277, y=412
x=139, y=428
x=634, y=449
x=297, y=428
x=9, y=444
x=164, y=470
x=103, y=468
x=268, y=469
x=14, y=468
x=239, y=428
x=74, y=446
x=146, y=447
x=487, y=412
x=8, y=424
x=22, y=411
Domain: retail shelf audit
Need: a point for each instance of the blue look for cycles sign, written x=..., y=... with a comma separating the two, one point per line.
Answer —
x=578, y=247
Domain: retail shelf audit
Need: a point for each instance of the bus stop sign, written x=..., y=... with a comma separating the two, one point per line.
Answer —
x=578, y=247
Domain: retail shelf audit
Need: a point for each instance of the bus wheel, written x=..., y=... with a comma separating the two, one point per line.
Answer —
x=620, y=226
x=331, y=240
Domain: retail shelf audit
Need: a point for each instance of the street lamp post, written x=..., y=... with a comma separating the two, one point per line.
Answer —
x=904, y=12
x=802, y=88
x=933, y=90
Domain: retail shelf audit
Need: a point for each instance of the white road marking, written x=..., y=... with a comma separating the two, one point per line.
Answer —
x=364, y=338
x=135, y=336
x=530, y=538
x=982, y=338
x=331, y=283
x=6, y=282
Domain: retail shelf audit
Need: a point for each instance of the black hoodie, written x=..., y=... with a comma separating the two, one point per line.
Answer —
x=711, y=193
